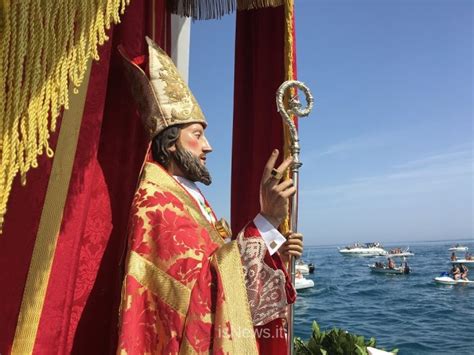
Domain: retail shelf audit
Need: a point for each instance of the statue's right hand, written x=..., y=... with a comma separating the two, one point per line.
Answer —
x=274, y=193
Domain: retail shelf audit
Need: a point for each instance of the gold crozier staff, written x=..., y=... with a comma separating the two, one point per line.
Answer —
x=294, y=108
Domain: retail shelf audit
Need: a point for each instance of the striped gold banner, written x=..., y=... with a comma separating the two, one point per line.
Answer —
x=50, y=222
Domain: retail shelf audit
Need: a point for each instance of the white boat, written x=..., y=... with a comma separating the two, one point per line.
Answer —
x=462, y=261
x=448, y=280
x=304, y=268
x=385, y=270
x=400, y=252
x=458, y=247
x=302, y=283
x=368, y=249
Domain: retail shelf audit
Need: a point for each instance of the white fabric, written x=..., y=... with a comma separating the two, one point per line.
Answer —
x=270, y=235
x=180, y=39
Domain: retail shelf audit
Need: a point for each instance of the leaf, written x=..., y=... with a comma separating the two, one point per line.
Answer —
x=316, y=329
x=360, y=340
x=313, y=346
x=361, y=350
x=371, y=342
x=334, y=342
x=301, y=348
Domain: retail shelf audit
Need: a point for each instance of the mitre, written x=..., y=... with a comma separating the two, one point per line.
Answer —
x=163, y=99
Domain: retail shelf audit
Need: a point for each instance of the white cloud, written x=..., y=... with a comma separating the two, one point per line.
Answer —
x=423, y=174
x=349, y=145
x=462, y=153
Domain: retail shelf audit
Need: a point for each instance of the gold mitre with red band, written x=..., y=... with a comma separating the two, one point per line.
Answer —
x=164, y=99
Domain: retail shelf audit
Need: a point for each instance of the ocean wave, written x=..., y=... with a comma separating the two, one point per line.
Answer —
x=408, y=312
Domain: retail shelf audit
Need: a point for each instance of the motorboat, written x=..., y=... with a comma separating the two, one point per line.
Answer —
x=400, y=252
x=383, y=269
x=458, y=247
x=304, y=268
x=462, y=261
x=445, y=279
x=367, y=249
x=302, y=283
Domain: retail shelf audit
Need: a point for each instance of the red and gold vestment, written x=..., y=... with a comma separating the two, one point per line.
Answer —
x=185, y=289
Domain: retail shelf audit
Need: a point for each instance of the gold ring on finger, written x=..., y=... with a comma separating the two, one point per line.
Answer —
x=275, y=174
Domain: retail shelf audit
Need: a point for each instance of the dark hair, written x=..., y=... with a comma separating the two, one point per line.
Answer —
x=162, y=142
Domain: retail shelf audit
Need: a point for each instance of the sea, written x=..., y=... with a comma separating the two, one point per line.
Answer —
x=409, y=312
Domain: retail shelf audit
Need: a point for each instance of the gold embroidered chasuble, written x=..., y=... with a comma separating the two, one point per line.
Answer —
x=185, y=290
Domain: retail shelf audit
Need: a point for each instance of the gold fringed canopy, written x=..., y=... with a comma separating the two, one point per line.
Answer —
x=44, y=49
x=212, y=9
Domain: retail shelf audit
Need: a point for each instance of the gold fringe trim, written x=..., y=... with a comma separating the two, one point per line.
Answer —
x=2, y=16
x=214, y=9
x=44, y=47
x=39, y=272
x=201, y=9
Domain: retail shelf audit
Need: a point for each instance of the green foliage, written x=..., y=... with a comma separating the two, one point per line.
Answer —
x=334, y=342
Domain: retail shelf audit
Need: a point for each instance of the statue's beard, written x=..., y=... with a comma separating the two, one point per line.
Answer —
x=191, y=166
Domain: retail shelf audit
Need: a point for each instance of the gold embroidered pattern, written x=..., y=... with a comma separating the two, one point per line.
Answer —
x=164, y=99
x=177, y=101
x=171, y=292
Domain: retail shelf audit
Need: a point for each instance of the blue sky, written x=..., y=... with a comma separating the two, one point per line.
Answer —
x=388, y=149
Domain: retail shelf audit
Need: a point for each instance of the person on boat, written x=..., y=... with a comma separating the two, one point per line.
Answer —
x=186, y=288
x=298, y=274
x=453, y=256
x=463, y=271
x=455, y=272
x=468, y=256
x=390, y=264
x=406, y=268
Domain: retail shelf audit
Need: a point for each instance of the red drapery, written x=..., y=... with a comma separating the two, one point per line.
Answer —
x=79, y=314
x=257, y=127
x=260, y=68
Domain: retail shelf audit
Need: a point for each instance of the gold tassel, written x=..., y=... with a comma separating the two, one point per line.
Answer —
x=44, y=47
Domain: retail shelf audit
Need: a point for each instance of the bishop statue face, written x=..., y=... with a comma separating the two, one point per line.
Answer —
x=189, y=155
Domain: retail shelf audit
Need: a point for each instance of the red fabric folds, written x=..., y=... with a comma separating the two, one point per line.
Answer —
x=81, y=306
x=17, y=242
x=257, y=127
x=271, y=338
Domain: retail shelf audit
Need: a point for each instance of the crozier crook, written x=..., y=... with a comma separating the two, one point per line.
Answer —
x=294, y=108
